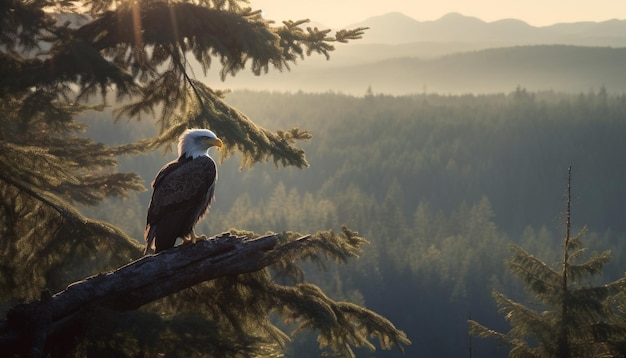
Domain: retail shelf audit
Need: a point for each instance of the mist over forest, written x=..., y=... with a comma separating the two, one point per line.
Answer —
x=458, y=54
x=439, y=185
x=445, y=144
x=441, y=154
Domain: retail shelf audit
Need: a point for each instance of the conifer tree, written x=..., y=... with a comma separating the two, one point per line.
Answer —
x=576, y=319
x=61, y=58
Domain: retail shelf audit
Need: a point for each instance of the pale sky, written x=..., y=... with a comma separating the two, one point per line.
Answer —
x=340, y=13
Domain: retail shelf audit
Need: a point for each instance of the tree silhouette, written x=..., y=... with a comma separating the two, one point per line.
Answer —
x=61, y=58
x=577, y=320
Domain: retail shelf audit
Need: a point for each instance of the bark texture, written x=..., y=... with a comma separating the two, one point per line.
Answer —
x=132, y=286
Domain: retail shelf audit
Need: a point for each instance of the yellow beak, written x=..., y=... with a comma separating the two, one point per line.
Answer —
x=215, y=142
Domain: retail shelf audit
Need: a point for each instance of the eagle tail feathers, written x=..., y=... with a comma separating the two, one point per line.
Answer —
x=150, y=235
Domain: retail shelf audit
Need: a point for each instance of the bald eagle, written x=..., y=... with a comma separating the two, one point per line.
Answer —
x=182, y=191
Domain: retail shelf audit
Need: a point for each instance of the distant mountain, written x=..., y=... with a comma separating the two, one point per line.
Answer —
x=460, y=54
x=396, y=35
x=397, y=28
x=454, y=54
x=572, y=69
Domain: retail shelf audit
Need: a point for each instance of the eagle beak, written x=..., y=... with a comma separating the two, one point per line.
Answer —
x=216, y=142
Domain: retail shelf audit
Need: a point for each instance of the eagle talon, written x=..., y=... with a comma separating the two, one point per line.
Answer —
x=193, y=238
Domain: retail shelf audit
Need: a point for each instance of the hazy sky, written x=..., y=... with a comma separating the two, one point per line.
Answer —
x=337, y=13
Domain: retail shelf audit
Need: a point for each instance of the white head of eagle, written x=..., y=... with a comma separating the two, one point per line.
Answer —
x=196, y=142
x=182, y=191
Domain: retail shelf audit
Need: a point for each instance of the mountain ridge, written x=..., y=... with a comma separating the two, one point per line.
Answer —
x=560, y=68
x=459, y=54
x=398, y=28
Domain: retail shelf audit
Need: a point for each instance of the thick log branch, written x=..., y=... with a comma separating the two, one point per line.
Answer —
x=134, y=285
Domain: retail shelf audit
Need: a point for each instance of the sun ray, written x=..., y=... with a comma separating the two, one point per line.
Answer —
x=137, y=28
x=174, y=23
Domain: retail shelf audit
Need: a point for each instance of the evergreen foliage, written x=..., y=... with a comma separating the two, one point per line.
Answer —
x=578, y=320
x=443, y=150
x=58, y=58
x=443, y=169
x=469, y=174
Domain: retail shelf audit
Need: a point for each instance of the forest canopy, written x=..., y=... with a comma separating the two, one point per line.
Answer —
x=432, y=187
x=60, y=59
x=440, y=185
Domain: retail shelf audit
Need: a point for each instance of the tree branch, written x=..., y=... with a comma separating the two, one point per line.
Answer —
x=39, y=327
x=132, y=286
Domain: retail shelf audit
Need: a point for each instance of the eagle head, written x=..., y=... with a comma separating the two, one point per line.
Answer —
x=196, y=142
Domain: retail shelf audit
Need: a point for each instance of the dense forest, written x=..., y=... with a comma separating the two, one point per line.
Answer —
x=57, y=295
x=439, y=185
x=437, y=203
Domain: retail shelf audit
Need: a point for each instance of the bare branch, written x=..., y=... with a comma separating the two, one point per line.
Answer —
x=32, y=328
x=134, y=285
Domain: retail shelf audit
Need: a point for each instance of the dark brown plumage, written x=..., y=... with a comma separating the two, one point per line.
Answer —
x=182, y=192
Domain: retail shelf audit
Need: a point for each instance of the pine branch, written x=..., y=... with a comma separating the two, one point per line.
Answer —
x=478, y=330
x=99, y=233
x=525, y=321
x=580, y=320
x=538, y=278
x=29, y=326
x=238, y=132
x=68, y=168
x=232, y=38
x=591, y=267
x=134, y=285
x=22, y=23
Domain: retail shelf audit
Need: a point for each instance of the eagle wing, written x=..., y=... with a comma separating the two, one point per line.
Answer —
x=183, y=192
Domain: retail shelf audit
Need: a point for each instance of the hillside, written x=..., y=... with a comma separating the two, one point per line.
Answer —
x=439, y=185
x=571, y=69
x=422, y=142
x=454, y=54
x=397, y=28
x=458, y=54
